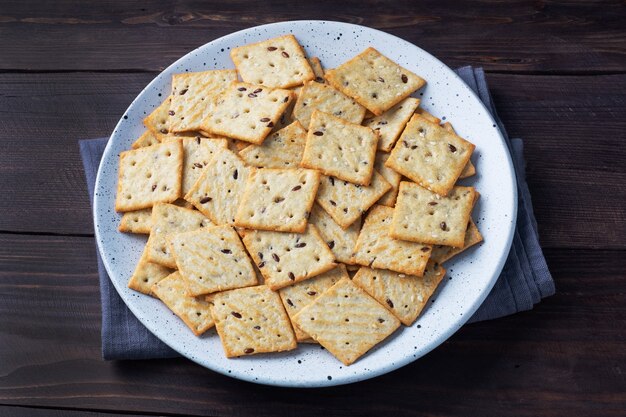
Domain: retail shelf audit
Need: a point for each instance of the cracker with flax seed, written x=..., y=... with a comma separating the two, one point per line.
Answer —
x=340, y=241
x=423, y=216
x=278, y=199
x=339, y=148
x=148, y=176
x=323, y=97
x=212, y=259
x=469, y=169
x=346, y=202
x=247, y=112
x=297, y=296
x=218, y=190
x=374, y=81
x=287, y=258
x=192, y=96
x=347, y=321
x=195, y=312
x=158, y=122
x=281, y=149
x=147, y=274
x=276, y=63
x=430, y=155
x=390, y=124
x=169, y=219
x=252, y=320
x=375, y=248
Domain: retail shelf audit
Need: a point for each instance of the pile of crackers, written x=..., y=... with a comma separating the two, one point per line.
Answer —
x=296, y=205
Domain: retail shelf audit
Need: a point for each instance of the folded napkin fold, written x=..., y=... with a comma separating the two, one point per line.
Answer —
x=524, y=281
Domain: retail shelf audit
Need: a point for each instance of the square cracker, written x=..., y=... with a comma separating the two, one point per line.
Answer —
x=339, y=148
x=148, y=176
x=304, y=293
x=281, y=149
x=316, y=96
x=391, y=123
x=374, y=81
x=340, y=241
x=443, y=253
x=168, y=219
x=469, y=169
x=430, y=155
x=423, y=216
x=192, y=96
x=252, y=320
x=197, y=152
x=195, y=312
x=392, y=177
x=287, y=258
x=158, y=122
x=218, y=190
x=247, y=112
x=139, y=221
x=346, y=321
x=403, y=295
x=147, y=138
x=376, y=249
x=212, y=259
x=147, y=274
x=346, y=202
x=274, y=63
x=278, y=199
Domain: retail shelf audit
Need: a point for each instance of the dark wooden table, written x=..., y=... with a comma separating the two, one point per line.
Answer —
x=558, y=74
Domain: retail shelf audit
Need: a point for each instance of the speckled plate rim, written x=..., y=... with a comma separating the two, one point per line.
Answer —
x=510, y=201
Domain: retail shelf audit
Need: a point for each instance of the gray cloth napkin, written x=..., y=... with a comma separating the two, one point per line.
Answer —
x=524, y=281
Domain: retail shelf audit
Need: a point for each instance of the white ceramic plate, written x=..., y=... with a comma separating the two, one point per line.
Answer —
x=470, y=276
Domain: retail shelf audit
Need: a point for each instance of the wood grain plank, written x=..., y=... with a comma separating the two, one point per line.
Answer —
x=565, y=356
x=545, y=36
x=8, y=411
x=572, y=126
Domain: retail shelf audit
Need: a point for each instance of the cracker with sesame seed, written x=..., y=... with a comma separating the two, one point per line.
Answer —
x=158, y=122
x=340, y=241
x=403, y=295
x=168, y=219
x=218, y=190
x=318, y=70
x=346, y=202
x=340, y=148
x=192, y=96
x=147, y=138
x=212, y=259
x=147, y=274
x=469, y=169
x=139, y=221
x=423, y=216
x=390, y=124
x=281, y=149
x=278, y=199
x=323, y=97
x=375, y=248
x=198, y=152
x=275, y=63
x=374, y=81
x=195, y=312
x=247, y=112
x=299, y=295
x=392, y=177
x=149, y=175
x=472, y=237
x=252, y=320
x=347, y=321
x=287, y=258
x=430, y=155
